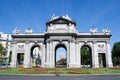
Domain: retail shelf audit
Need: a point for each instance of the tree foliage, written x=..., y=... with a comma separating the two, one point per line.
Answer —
x=62, y=61
x=2, y=52
x=85, y=55
x=116, y=53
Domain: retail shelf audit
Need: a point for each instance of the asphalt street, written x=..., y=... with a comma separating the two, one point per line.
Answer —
x=59, y=77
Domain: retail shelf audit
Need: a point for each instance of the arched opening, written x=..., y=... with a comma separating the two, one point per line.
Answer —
x=86, y=56
x=36, y=55
x=60, y=56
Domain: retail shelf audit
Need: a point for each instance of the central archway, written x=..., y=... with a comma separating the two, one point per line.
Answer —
x=60, y=56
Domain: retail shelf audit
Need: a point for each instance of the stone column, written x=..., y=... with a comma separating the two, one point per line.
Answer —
x=14, y=56
x=95, y=56
x=43, y=55
x=78, y=55
x=72, y=54
x=47, y=54
x=108, y=55
x=68, y=54
x=27, y=56
x=51, y=53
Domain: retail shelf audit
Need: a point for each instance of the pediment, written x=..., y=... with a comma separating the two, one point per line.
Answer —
x=60, y=20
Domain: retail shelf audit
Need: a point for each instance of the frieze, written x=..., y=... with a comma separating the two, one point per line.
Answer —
x=27, y=42
x=77, y=42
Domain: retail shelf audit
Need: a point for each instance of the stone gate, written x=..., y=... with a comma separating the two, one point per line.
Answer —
x=60, y=32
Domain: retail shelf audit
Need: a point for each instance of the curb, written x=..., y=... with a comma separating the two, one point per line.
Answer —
x=59, y=74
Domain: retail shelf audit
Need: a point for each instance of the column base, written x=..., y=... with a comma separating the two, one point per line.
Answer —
x=110, y=65
x=27, y=66
x=70, y=65
x=95, y=66
x=48, y=65
x=13, y=65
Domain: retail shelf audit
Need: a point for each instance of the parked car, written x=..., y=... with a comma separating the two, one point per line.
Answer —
x=4, y=64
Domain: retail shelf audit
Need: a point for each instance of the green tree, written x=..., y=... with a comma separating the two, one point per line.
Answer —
x=61, y=61
x=2, y=52
x=116, y=53
x=85, y=55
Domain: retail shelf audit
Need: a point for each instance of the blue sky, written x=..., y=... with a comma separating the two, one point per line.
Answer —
x=35, y=13
x=59, y=51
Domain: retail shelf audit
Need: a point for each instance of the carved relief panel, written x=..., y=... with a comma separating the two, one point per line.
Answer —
x=21, y=46
x=101, y=47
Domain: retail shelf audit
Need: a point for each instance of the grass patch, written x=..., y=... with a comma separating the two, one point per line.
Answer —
x=10, y=71
x=57, y=70
x=38, y=70
x=78, y=71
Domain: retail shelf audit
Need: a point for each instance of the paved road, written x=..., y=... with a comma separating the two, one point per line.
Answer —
x=66, y=77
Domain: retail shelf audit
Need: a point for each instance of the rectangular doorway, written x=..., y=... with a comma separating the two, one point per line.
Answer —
x=102, y=59
x=20, y=59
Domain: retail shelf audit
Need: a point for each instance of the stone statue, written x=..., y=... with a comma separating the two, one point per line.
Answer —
x=106, y=30
x=93, y=30
x=16, y=31
x=54, y=16
x=28, y=31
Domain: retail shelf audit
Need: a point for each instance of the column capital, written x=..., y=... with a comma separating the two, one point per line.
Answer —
x=48, y=40
x=85, y=42
x=51, y=40
x=77, y=42
x=60, y=41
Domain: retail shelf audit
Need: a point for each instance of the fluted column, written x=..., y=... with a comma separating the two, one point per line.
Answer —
x=27, y=56
x=95, y=56
x=72, y=54
x=43, y=55
x=108, y=55
x=77, y=54
x=14, y=56
x=48, y=55
x=51, y=53
x=68, y=54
